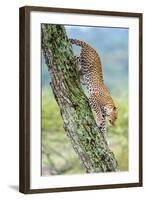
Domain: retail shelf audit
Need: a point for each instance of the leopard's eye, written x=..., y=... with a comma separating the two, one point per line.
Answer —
x=110, y=121
x=114, y=108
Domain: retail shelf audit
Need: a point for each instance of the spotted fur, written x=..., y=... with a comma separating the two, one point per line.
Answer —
x=91, y=72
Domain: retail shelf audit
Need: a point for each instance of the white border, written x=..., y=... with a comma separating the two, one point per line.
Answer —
x=132, y=176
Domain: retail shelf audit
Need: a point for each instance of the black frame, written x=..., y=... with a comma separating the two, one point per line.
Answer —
x=24, y=92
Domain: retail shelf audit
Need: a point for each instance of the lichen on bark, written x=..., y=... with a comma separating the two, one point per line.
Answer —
x=79, y=123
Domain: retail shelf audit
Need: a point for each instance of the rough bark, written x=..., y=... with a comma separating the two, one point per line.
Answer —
x=79, y=123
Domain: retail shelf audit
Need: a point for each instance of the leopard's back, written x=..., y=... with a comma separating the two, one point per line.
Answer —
x=91, y=66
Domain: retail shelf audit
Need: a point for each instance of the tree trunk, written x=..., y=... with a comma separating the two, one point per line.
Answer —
x=79, y=123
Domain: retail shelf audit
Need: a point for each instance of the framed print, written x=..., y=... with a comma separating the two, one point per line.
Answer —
x=80, y=99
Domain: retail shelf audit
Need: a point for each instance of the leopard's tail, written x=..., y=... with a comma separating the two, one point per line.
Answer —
x=77, y=42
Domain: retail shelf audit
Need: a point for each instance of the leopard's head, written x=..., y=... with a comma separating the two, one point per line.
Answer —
x=112, y=114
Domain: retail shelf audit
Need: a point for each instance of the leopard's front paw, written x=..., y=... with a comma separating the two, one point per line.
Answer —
x=102, y=127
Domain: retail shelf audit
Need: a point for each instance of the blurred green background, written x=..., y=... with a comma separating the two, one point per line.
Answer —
x=58, y=156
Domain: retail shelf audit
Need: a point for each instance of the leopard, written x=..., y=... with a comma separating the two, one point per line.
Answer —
x=91, y=75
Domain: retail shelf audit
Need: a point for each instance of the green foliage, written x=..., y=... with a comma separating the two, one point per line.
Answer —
x=51, y=120
x=58, y=156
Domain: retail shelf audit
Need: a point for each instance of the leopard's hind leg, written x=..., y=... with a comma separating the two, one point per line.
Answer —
x=77, y=60
x=81, y=73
